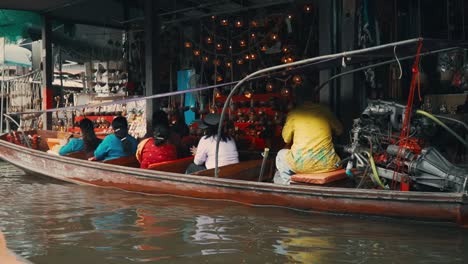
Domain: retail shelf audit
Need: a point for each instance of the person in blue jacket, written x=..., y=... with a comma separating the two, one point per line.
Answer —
x=88, y=143
x=116, y=145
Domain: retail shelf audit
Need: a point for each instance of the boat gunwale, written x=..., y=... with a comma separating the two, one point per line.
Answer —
x=243, y=185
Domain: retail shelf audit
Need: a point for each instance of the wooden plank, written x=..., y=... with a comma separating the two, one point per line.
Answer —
x=177, y=166
x=246, y=170
x=129, y=161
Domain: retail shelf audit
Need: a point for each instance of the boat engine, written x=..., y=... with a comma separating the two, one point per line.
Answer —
x=375, y=148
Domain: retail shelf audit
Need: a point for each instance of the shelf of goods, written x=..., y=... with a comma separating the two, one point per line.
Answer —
x=258, y=119
x=107, y=77
x=103, y=116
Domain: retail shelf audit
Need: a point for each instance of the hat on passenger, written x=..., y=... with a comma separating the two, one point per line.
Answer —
x=210, y=120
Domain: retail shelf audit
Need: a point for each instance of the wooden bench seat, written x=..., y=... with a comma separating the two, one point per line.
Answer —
x=129, y=161
x=246, y=170
x=319, y=178
x=77, y=155
x=177, y=166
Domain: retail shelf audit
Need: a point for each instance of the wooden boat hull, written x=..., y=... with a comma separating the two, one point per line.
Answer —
x=432, y=206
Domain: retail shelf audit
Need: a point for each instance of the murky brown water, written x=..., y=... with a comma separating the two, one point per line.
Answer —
x=46, y=221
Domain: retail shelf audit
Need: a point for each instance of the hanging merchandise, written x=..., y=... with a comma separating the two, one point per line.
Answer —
x=367, y=36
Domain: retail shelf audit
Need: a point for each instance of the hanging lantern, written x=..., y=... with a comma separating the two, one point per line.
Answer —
x=285, y=49
x=217, y=93
x=274, y=36
x=188, y=44
x=242, y=43
x=254, y=23
x=213, y=17
x=263, y=48
x=238, y=24
x=269, y=87
x=230, y=47
x=196, y=52
x=253, y=35
x=247, y=57
x=217, y=62
x=297, y=79
x=206, y=59
x=228, y=64
x=290, y=59
x=219, y=46
x=240, y=61
x=219, y=78
x=284, y=59
x=289, y=16
x=285, y=92
x=248, y=94
x=253, y=56
x=307, y=8
x=224, y=22
x=209, y=40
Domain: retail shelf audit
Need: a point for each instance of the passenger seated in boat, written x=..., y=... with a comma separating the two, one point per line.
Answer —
x=88, y=143
x=157, y=148
x=177, y=130
x=116, y=145
x=309, y=129
x=206, y=150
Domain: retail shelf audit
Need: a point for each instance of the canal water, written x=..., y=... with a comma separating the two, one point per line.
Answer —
x=47, y=221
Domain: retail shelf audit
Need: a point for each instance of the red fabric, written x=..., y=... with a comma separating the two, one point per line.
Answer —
x=154, y=154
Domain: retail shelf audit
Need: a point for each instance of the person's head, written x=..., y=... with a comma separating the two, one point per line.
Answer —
x=160, y=117
x=86, y=127
x=160, y=134
x=89, y=137
x=120, y=126
x=178, y=124
x=210, y=124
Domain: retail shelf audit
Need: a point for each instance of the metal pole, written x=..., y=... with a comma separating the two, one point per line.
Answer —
x=293, y=64
x=265, y=158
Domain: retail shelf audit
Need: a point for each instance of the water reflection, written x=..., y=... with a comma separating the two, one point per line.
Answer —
x=301, y=246
x=52, y=222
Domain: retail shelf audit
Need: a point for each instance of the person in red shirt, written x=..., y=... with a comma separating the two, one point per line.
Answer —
x=157, y=148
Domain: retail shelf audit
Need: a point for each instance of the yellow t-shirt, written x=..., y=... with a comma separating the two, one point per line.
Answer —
x=309, y=128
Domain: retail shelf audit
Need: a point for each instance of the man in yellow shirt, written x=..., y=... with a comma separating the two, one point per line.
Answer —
x=309, y=129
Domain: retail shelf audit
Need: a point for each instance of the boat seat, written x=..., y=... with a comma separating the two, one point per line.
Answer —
x=177, y=166
x=246, y=170
x=129, y=161
x=77, y=155
x=323, y=178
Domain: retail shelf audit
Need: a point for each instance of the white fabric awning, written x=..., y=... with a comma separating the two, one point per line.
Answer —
x=17, y=56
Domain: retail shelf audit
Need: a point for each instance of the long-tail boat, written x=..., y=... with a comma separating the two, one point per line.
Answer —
x=248, y=182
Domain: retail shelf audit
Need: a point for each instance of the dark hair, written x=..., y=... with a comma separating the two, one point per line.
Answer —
x=89, y=137
x=180, y=127
x=212, y=131
x=120, y=126
x=160, y=134
x=160, y=118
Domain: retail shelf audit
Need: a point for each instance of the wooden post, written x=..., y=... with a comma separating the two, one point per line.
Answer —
x=47, y=71
x=152, y=31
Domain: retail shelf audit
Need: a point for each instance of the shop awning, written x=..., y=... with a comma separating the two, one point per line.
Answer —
x=17, y=56
x=107, y=13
